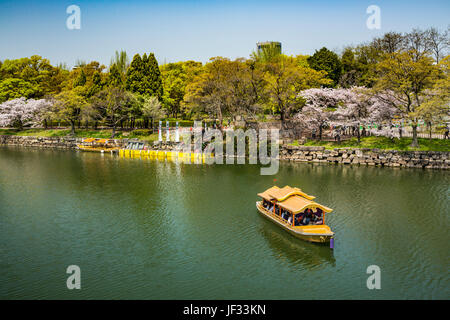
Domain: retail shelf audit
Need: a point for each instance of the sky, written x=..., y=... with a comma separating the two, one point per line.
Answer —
x=198, y=30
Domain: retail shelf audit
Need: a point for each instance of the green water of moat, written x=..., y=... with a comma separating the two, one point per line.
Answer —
x=148, y=229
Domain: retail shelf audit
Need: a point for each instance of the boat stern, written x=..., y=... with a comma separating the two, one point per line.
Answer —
x=316, y=233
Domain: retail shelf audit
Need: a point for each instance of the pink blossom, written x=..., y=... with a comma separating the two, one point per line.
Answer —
x=22, y=112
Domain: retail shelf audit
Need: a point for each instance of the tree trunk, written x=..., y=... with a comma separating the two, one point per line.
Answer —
x=320, y=133
x=415, y=143
x=72, y=127
x=358, y=133
x=45, y=124
x=113, y=131
x=429, y=126
x=220, y=118
x=283, y=117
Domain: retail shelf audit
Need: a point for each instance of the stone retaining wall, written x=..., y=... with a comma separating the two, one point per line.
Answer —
x=49, y=142
x=370, y=157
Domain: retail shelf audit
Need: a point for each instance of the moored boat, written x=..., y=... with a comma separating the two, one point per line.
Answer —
x=96, y=145
x=296, y=212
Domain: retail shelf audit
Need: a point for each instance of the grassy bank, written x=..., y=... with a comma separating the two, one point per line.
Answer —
x=83, y=133
x=146, y=135
x=384, y=143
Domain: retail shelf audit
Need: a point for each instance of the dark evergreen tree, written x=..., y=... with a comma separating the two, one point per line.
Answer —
x=134, y=76
x=328, y=61
x=350, y=73
x=144, y=77
x=152, y=76
x=97, y=84
x=115, y=77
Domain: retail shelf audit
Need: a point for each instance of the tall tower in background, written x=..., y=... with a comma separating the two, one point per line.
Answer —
x=260, y=46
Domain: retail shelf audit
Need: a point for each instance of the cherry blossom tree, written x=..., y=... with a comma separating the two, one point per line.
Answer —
x=353, y=107
x=21, y=112
x=328, y=106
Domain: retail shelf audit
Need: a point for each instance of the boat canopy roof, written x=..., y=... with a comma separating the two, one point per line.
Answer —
x=97, y=140
x=292, y=199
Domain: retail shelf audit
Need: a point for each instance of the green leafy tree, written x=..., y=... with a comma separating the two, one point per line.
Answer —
x=152, y=109
x=285, y=79
x=88, y=78
x=113, y=104
x=80, y=80
x=69, y=106
x=224, y=88
x=175, y=77
x=328, y=61
x=12, y=88
x=32, y=77
x=436, y=107
x=96, y=85
x=406, y=77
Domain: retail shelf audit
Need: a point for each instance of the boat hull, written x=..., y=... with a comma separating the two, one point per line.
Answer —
x=311, y=233
x=96, y=149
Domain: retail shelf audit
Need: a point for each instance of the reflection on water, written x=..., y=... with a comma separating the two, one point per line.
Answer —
x=149, y=229
x=299, y=253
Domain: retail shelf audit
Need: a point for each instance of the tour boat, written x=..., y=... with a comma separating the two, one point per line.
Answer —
x=96, y=145
x=296, y=212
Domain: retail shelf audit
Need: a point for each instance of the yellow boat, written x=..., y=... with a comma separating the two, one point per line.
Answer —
x=96, y=145
x=296, y=212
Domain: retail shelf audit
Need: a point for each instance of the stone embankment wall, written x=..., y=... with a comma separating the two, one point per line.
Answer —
x=49, y=142
x=370, y=157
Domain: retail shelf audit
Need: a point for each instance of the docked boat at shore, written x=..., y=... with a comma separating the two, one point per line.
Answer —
x=96, y=145
x=296, y=212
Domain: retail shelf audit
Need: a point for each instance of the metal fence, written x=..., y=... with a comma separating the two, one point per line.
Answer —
x=423, y=135
x=330, y=135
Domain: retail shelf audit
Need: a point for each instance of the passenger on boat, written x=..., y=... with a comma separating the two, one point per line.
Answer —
x=298, y=220
x=306, y=220
x=290, y=219
x=307, y=217
x=318, y=216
